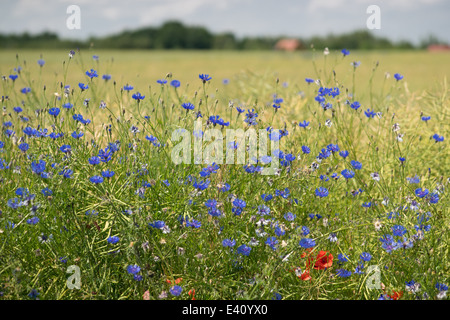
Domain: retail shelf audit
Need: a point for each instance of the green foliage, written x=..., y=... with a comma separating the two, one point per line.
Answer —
x=175, y=35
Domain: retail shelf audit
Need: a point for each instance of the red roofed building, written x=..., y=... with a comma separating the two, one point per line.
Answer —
x=288, y=45
x=438, y=47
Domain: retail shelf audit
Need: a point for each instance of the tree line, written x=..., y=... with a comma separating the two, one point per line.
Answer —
x=175, y=35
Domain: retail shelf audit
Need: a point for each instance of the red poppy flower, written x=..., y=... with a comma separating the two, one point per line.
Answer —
x=177, y=281
x=192, y=292
x=323, y=261
x=396, y=295
x=305, y=276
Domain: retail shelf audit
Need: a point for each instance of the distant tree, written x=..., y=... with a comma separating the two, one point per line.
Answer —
x=171, y=35
x=198, y=38
x=226, y=41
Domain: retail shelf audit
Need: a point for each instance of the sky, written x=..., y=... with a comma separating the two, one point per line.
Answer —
x=411, y=20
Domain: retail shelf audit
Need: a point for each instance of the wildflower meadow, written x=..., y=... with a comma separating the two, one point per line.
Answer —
x=222, y=184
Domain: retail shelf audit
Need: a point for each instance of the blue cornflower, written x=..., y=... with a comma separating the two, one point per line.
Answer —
x=359, y=268
x=272, y=242
x=263, y=210
x=76, y=135
x=321, y=192
x=307, y=243
x=333, y=147
x=238, y=205
x=176, y=290
x=83, y=86
x=433, y=198
x=33, y=220
x=157, y=224
x=228, y=243
x=66, y=173
x=402, y=159
x=344, y=154
x=41, y=62
x=421, y=192
x=398, y=230
x=67, y=105
x=306, y=149
x=356, y=165
x=342, y=273
x=137, y=96
x=282, y=193
x=113, y=239
x=175, y=83
x=345, y=52
x=438, y=138
x=33, y=294
x=244, y=250
x=17, y=109
x=347, y=174
x=277, y=296
x=211, y=203
x=161, y=81
x=398, y=76
x=355, y=105
x=206, y=172
x=188, y=106
x=47, y=192
x=24, y=147
x=133, y=269
x=224, y=188
x=251, y=117
x=108, y=173
x=239, y=110
x=309, y=80
x=25, y=90
x=106, y=77
x=94, y=160
x=266, y=197
x=289, y=216
x=54, y=111
x=304, y=124
x=426, y=118
x=38, y=166
x=324, y=153
x=128, y=87
x=365, y=256
x=13, y=77
x=305, y=230
x=65, y=148
x=370, y=113
x=9, y=132
x=279, y=231
x=415, y=179
x=96, y=179
x=355, y=64
x=204, y=77
x=342, y=257
x=92, y=74
x=441, y=287
x=194, y=223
